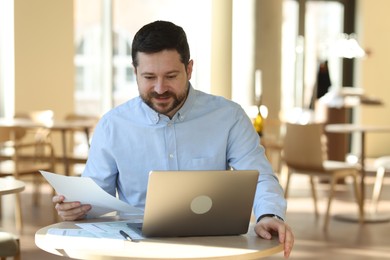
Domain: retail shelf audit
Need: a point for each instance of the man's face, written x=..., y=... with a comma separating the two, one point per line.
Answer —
x=163, y=80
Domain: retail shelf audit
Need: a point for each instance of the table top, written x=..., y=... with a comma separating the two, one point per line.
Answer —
x=248, y=246
x=53, y=125
x=10, y=185
x=349, y=128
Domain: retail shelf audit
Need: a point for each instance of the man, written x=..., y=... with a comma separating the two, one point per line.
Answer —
x=172, y=126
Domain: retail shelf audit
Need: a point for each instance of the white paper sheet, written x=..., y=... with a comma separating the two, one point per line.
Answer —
x=86, y=191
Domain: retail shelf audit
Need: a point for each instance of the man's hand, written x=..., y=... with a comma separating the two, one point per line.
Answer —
x=69, y=211
x=269, y=225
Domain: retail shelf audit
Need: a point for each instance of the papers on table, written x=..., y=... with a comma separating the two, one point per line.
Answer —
x=111, y=229
x=70, y=232
x=86, y=191
x=108, y=230
x=77, y=238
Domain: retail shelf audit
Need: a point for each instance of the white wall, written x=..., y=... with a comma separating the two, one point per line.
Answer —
x=373, y=25
x=269, y=52
x=44, y=50
x=221, y=48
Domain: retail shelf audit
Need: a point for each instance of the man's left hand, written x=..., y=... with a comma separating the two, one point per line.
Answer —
x=269, y=225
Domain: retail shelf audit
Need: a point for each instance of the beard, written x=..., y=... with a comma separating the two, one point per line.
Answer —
x=164, y=107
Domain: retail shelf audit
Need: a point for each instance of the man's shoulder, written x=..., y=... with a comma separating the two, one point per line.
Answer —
x=207, y=97
x=130, y=106
x=215, y=101
x=126, y=110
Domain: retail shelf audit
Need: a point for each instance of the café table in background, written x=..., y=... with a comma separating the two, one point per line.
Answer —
x=8, y=185
x=61, y=126
x=362, y=130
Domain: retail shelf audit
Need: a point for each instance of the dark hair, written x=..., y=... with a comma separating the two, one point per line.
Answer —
x=158, y=36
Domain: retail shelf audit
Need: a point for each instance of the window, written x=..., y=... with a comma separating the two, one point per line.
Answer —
x=7, y=72
x=93, y=21
x=306, y=45
x=125, y=85
x=324, y=23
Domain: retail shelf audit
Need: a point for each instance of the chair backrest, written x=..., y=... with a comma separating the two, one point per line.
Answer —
x=77, y=117
x=303, y=147
x=11, y=134
x=72, y=117
x=39, y=116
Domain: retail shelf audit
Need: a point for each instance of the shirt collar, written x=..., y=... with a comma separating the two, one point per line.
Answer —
x=180, y=115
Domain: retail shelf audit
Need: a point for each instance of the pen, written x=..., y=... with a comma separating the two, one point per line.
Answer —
x=125, y=235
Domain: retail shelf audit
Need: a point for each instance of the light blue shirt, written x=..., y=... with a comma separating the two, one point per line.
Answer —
x=207, y=133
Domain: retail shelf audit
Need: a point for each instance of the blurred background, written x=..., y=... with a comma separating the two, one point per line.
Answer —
x=74, y=56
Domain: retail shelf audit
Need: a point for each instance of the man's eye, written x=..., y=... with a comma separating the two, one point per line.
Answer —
x=171, y=76
x=149, y=77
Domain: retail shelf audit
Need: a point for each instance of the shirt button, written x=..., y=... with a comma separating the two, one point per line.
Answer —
x=171, y=156
x=169, y=124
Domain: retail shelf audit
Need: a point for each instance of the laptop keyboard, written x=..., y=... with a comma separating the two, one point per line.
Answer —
x=136, y=227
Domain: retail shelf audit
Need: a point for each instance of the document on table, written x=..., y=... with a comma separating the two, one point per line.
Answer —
x=86, y=191
x=81, y=239
x=70, y=232
x=112, y=229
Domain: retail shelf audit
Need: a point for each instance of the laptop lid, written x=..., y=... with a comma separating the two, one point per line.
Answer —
x=199, y=203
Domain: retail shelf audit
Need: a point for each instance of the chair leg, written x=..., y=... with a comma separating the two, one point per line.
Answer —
x=377, y=189
x=314, y=195
x=18, y=212
x=17, y=256
x=36, y=192
x=331, y=194
x=359, y=198
x=287, y=175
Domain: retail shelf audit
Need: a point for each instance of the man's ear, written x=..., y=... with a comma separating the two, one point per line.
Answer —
x=190, y=65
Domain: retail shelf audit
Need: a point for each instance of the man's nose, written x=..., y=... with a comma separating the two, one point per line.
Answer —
x=160, y=86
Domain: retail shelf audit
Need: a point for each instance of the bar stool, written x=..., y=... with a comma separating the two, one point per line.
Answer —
x=9, y=246
x=381, y=164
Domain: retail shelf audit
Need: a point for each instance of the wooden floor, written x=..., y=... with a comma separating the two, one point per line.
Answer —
x=343, y=240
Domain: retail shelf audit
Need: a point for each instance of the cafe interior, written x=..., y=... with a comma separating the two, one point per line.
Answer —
x=312, y=76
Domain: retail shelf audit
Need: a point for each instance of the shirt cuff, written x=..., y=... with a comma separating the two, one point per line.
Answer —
x=269, y=215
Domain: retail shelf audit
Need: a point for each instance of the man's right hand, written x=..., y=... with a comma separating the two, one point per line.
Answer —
x=70, y=211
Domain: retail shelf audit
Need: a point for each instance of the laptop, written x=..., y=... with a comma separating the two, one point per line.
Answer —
x=199, y=203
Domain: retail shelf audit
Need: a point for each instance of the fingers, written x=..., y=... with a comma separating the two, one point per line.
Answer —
x=70, y=211
x=288, y=242
x=58, y=199
x=261, y=232
x=268, y=225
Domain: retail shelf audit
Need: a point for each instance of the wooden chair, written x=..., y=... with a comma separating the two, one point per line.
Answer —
x=39, y=116
x=272, y=140
x=79, y=142
x=26, y=161
x=382, y=165
x=9, y=246
x=304, y=152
